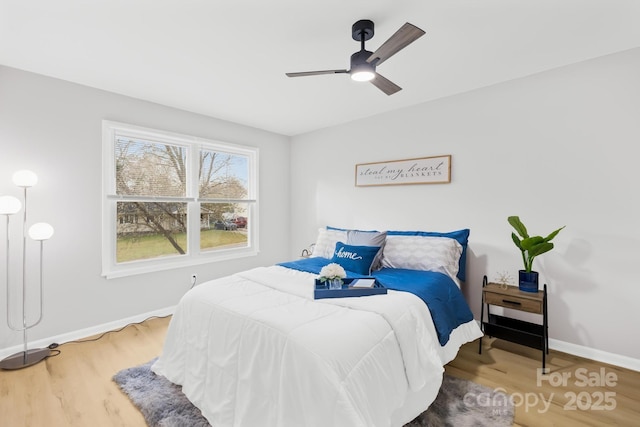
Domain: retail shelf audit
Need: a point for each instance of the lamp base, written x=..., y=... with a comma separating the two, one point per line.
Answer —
x=19, y=361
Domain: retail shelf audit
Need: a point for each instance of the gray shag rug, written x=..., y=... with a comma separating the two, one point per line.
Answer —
x=460, y=403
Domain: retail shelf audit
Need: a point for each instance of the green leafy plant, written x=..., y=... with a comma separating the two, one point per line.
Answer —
x=530, y=246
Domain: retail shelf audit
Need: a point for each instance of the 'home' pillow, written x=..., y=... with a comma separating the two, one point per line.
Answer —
x=366, y=238
x=357, y=259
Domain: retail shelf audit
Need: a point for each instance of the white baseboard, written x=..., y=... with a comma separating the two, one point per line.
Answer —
x=595, y=354
x=87, y=332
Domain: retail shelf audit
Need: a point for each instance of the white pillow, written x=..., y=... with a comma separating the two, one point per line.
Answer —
x=326, y=242
x=440, y=254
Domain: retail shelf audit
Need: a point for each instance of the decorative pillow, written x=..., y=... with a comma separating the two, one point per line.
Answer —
x=440, y=254
x=461, y=236
x=357, y=259
x=366, y=238
x=326, y=242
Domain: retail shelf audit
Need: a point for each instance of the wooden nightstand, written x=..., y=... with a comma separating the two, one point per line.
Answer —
x=526, y=333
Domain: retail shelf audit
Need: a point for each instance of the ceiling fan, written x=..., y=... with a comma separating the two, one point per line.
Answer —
x=364, y=62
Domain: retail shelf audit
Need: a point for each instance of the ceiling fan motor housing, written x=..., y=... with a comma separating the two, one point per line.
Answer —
x=359, y=61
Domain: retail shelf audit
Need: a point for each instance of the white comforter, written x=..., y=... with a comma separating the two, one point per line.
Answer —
x=255, y=349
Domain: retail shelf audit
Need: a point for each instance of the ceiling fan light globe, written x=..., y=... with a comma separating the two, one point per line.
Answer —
x=362, y=76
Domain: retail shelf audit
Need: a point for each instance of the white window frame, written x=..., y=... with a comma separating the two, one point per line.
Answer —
x=193, y=256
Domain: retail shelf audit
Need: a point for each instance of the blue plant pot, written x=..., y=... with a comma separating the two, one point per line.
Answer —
x=528, y=281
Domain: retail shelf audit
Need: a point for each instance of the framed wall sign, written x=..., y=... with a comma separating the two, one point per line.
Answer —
x=423, y=170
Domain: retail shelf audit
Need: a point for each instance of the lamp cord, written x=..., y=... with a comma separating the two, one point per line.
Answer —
x=55, y=346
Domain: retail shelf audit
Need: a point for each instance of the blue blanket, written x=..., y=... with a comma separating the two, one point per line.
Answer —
x=314, y=265
x=446, y=303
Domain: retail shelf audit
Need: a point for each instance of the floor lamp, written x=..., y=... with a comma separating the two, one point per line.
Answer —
x=41, y=231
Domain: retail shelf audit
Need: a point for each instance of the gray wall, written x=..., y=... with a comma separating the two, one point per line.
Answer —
x=54, y=128
x=557, y=148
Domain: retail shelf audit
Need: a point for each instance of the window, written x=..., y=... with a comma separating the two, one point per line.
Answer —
x=173, y=200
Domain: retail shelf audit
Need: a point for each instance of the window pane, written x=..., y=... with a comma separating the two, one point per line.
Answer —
x=145, y=168
x=223, y=175
x=150, y=230
x=223, y=225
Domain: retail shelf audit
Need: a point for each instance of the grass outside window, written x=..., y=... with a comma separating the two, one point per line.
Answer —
x=140, y=247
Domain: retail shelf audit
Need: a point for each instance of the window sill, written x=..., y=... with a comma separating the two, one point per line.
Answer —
x=144, y=267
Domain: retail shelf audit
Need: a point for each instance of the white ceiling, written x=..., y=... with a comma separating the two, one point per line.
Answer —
x=228, y=59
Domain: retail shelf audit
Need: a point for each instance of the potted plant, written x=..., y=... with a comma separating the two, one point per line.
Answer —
x=530, y=247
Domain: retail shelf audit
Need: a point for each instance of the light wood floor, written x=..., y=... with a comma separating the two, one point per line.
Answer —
x=515, y=368
x=75, y=388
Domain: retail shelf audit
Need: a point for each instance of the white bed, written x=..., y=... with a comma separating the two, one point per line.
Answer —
x=256, y=349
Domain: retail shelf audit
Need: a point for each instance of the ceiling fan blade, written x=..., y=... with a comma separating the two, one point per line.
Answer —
x=315, y=73
x=406, y=35
x=385, y=85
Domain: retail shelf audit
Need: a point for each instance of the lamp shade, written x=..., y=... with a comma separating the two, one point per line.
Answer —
x=25, y=178
x=40, y=231
x=9, y=205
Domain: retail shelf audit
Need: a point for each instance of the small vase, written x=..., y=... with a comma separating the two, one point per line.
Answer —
x=334, y=283
x=528, y=281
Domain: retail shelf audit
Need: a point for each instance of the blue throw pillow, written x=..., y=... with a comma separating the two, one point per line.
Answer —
x=357, y=259
x=365, y=238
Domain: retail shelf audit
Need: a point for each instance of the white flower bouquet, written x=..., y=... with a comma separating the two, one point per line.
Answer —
x=331, y=272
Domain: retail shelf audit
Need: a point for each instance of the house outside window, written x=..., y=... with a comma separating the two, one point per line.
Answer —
x=172, y=200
